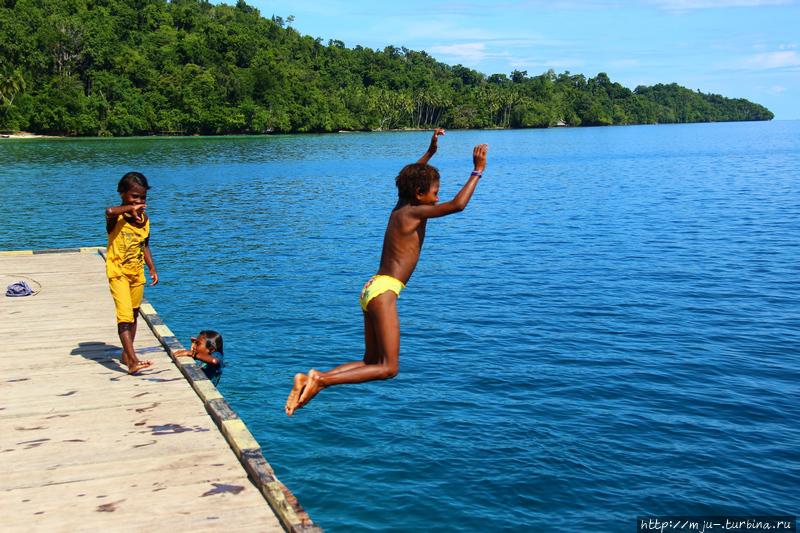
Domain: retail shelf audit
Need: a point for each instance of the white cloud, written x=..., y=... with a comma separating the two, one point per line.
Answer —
x=777, y=89
x=467, y=52
x=576, y=5
x=689, y=5
x=558, y=64
x=671, y=5
x=624, y=63
x=530, y=41
x=772, y=60
x=401, y=30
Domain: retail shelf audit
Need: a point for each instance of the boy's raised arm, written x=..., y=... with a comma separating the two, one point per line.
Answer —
x=464, y=195
x=433, y=146
x=135, y=209
x=113, y=212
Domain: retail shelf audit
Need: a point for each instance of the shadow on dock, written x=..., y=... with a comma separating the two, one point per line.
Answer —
x=110, y=357
x=101, y=353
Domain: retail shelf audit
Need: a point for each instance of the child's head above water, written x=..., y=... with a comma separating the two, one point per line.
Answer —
x=416, y=178
x=132, y=179
x=209, y=340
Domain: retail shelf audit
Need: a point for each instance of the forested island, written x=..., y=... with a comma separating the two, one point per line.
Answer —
x=153, y=67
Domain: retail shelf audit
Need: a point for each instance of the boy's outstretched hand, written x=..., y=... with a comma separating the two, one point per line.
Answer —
x=435, y=140
x=479, y=157
x=432, y=147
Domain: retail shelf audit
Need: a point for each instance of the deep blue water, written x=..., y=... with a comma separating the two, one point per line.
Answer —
x=611, y=328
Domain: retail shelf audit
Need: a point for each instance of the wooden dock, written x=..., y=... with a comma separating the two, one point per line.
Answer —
x=85, y=446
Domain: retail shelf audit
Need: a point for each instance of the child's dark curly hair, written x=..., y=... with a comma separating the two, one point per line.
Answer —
x=416, y=177
x=132, y=178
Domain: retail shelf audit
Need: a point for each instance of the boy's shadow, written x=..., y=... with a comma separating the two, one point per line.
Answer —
x=101, y=353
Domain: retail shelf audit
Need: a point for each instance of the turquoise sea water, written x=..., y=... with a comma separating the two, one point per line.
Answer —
x=611, y=328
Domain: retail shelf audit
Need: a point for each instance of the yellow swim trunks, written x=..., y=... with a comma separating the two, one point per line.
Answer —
x=376, y=286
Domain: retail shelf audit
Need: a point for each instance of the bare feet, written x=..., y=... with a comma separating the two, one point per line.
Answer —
x=139, y=365
x=312, y=388
x=135, y=364
x=291, y=402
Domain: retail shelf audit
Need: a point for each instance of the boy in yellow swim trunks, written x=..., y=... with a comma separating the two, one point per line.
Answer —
x=128, y=228
x=418, y=190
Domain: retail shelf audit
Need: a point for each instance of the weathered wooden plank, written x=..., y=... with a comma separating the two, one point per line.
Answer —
x=182, y=466
x=210, y=518
x=138, y=499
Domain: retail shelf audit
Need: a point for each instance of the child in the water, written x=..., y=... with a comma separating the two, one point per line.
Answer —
x=128, y=228
x=418, y=191
x=207, y=349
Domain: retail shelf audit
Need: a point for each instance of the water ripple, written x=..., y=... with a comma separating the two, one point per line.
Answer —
x=610, y=329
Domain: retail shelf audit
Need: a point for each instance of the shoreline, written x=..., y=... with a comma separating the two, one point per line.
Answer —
x=29, y=135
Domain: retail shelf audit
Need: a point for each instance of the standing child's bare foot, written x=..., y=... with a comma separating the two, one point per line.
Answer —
x=139, y=365
x=128, y=361
x=312, y=388
x=291, y=402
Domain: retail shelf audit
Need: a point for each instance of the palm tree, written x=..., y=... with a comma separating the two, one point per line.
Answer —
x=11, y=84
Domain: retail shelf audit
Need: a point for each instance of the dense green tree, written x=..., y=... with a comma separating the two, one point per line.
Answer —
x=133, y=67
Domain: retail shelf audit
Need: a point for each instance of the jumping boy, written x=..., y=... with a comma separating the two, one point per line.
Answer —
x=417, y=189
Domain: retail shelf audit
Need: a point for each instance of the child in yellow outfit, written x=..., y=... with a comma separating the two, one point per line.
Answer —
x=128, y=228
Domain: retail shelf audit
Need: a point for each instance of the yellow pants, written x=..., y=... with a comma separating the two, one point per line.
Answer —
x=127, y=292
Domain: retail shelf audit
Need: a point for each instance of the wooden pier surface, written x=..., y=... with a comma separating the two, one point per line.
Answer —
x=86, y=447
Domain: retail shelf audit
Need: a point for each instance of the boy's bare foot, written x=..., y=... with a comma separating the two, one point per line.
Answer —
x=291, y=402
x=312, y=388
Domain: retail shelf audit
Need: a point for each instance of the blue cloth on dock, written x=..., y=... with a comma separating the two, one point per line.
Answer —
x=19, y=288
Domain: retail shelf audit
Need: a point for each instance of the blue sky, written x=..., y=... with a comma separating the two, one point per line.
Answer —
x=737, y=48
